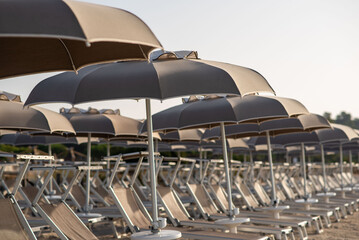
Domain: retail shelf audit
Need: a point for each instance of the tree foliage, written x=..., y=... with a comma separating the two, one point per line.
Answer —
x=343, y=118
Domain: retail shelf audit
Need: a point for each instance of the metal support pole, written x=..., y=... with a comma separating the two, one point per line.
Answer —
x=274, y=194
x=304, y=166
x=251, y=175
x=151, y=160
x=351, y=168
x=323, y=168
x=108, y=153
x=87, y=202
x=341, y=164
x=226, y=169
x=50, y=184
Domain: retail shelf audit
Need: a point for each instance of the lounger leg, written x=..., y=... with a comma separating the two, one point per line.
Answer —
x=337, y=215
x=292, y=237
x=115, y=233
x=327, y=221
x=317, y=225
x=344, y=211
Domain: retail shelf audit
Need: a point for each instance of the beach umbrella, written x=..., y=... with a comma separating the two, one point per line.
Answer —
x=338, y=134
x=18, y=139
x=13, y=116
x=208, y=113
x=218, y=111
x=40, y=36
x=99, y=123
x=162, y=78
x=188, y=75
x=306, y=122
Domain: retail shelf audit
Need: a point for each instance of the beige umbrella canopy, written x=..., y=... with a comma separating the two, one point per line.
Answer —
x=162, y=78
x=6, y=96
x=40, y=35
x=192, y=135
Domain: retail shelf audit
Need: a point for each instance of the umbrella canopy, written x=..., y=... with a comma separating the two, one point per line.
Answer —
x=39, y=36
x=101, y=123
x=159, y=79
x=306, y=122
x=9, y=96
x=186, y=135
x=13, y=116
x=211, y=112
x=335, y=134
x=232, y=144
x=18, y=139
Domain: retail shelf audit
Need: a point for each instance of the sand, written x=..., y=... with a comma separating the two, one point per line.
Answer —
x=346, y=229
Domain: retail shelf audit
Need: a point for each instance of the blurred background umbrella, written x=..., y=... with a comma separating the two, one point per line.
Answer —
x=216, y=111
x=99, y=123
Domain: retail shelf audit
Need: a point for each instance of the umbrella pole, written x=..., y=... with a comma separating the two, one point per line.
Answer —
x=341, y=164
x=323, y=167
x=304, y=166
x=226, y=169
x=274, y=194
x=351, y=168
x=251, y=177
x=155, y=224
x=108, y=153
x=87, y=202
x=50, y=183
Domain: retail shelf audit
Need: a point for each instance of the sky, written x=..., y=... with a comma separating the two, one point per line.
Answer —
x=307, y=49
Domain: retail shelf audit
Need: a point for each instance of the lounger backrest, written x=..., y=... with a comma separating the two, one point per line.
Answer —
x=78, y=194
x=220, y=195
x=67, y=222
x=247, y=195
x=261, y=193
x=171, y=203
x=31, y=192
x=100, y=189
x=10, y=225
x=203, y=199
x=129, y=203
x=287, y=189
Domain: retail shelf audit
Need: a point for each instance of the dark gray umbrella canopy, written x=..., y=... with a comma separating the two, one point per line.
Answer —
x=159, y=79
x=338, y=133
x=106, y=124
x=26, y=140
x=305, y=122
x=209, y=113
x=42, y=35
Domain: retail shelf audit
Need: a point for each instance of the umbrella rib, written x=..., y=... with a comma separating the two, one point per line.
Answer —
x=69, y=54
x=143, y=53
